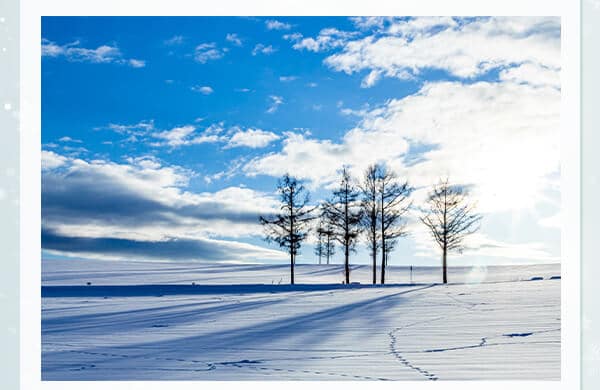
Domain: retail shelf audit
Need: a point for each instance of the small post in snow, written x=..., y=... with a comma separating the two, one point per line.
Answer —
x=411, y=282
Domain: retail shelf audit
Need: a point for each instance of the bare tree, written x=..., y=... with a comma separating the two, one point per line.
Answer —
x=290, y=226
x=329, y=242
x=325, y=240
x=344, y=215
x=319, y=246
x=370, y=207
x=393, y=205
x=450, y=218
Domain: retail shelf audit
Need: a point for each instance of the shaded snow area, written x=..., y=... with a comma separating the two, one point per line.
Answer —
x=174, y=321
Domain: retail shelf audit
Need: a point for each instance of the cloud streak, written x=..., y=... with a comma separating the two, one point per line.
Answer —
x=73, y=52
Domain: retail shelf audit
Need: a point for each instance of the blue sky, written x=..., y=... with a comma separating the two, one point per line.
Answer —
x=171, y=132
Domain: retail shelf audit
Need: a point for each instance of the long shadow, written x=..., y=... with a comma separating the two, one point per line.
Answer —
x=144, y=318
x=144, y=290
x=302, y=331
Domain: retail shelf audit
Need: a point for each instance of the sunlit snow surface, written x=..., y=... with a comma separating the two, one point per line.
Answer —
x=118, y=321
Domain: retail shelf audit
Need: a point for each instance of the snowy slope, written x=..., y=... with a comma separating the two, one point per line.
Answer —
x=507, y=327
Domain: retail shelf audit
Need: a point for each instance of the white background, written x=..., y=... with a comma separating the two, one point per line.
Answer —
x=31, y=12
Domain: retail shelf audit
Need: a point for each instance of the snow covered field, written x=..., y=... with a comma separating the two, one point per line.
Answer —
x=118, y=321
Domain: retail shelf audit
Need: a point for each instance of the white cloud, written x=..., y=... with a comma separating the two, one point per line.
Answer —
x=263, y=49
x=319, y=160
x=138, y=129
x=327, y=39
x=276, y=101
x=177, y=136
x=292, y=37
x=137, y=63
x=510, y=133
x=69, y=139
x=203, y=89
x=174, y=41
x=185, y=135
x=421, y=25
x=532, y=74
x=286, y=79
x=73, y=52
x=205, y=52
x=371, y=79
x=467, y=49
x=51, y=160
x=233, y=38
x=369, y=22
x=277, y=25
x=312, y=85
x=251, y=138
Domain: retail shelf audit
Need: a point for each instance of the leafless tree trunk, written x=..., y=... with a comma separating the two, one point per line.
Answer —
x=370, y=214
x=393, y=206
x=450, y=218
x=320, y=245
x=289, y=227
x=344, y=215
x=330, y=246
x=325, y=245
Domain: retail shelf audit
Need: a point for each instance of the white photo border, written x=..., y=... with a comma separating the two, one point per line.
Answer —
x=30, y=191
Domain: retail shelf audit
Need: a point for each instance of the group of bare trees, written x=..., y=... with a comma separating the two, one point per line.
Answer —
x=376, y=207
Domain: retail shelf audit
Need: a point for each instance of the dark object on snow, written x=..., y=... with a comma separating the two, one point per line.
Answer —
x=518, y=334
x=555, y=277
x=537, y=278
x=89, y=283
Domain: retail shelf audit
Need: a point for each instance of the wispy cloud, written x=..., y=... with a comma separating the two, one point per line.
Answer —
x=137, y=63
x=263, y=49
x=69, y=139
x=139, y=128
x=203, y=89
x=104, y=54
x=205, y=52
x=286, y=79
x=186, y=135
x=276, y=101
x=273, y=24
x=328, y=38
x=251, y=138
x=233, y=38
x=174, y=41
